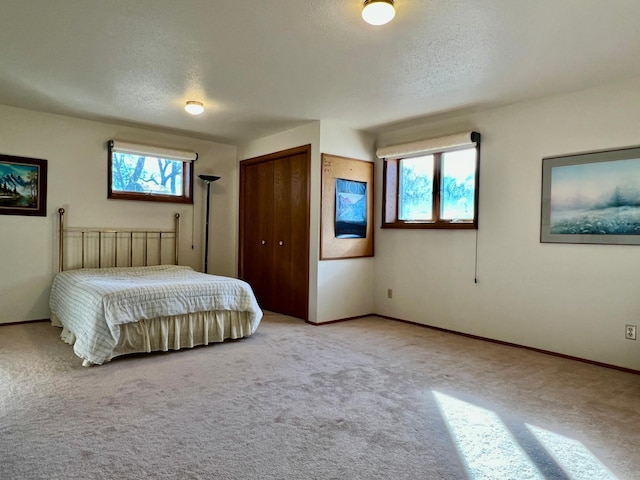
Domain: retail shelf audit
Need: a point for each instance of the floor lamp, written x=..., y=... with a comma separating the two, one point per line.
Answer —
x=208, y=179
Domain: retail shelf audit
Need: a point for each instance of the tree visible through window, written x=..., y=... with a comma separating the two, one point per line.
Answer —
x=416, y=189
x=134, y=173
x=458, y=188
x=134, y=176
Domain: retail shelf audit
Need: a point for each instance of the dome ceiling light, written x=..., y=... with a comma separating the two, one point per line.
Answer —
x=378, y=12
x=194, y=108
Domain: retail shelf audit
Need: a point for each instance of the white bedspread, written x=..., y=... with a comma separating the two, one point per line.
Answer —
x=93, y=302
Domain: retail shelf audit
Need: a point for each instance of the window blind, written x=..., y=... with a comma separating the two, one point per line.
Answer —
x=455, y=141
x=149, y=150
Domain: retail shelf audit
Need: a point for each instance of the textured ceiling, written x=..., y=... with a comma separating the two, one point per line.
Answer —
x=261, y=66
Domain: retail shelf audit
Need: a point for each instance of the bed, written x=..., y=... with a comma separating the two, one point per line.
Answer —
x=107, y=309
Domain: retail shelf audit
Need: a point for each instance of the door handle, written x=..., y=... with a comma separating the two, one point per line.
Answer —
x=263, y=242
x=280, y=243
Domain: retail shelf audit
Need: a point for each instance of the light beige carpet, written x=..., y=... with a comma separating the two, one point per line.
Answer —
x=364, y=399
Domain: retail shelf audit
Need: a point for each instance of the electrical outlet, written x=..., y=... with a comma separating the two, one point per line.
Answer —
x=390, y=294
x=630, y=332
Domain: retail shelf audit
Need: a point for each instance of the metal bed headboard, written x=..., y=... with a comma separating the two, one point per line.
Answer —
x=118, y=237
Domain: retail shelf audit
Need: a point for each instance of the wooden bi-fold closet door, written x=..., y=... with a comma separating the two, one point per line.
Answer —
x=274, y=229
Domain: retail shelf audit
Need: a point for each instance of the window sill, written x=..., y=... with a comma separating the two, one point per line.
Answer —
x=432, y=225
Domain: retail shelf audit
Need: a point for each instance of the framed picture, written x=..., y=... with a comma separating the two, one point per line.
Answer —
x=592, y=197
x=23, y=186
x=347, y=208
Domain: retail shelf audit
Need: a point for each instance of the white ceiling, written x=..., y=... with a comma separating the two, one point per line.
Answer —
x=261, y=66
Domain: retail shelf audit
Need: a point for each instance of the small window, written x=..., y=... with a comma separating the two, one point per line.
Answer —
x=435, y=190
x=138, y=172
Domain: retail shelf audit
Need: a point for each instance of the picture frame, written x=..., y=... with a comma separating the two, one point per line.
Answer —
x=591, y=197
x=346, y=224
x=23, y=186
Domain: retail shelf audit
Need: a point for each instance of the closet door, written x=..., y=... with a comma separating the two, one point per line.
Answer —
x=256, y=231
x=291, y=234
x=274, y=230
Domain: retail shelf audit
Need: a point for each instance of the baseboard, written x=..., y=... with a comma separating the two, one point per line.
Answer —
x=509, y=344
x=25, y=321
x=328, y=322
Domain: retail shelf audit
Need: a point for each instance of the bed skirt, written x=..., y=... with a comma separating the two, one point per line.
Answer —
x=173, y=332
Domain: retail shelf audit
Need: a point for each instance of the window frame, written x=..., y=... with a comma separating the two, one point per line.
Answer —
x=187, y=179
x=391, y=192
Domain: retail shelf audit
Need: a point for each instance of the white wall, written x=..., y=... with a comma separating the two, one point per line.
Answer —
x=571, y=299
x=345, y=287
x=77, y=180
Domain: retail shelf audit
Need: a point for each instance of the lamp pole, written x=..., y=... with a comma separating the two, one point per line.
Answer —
x=208, y=179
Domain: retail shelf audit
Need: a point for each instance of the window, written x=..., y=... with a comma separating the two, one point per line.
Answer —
x=434, y=187
x=139, y=172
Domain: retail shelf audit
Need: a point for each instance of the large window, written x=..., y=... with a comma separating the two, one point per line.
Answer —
x=138, y=172
x=436, y=189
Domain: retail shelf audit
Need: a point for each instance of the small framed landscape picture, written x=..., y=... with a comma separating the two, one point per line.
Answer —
x=23, y=186
x=592, y=198
x=351, y=209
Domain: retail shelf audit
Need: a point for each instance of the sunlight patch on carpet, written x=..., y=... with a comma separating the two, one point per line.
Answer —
x=489, y=448
x=576, y=459
x=484, y=443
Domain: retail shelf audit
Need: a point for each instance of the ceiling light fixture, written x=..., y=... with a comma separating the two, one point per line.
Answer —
x=194, y=108
x=378, y=12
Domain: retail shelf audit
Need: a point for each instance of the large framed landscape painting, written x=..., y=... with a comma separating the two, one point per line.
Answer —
x=23, y=186
x=592, y=198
